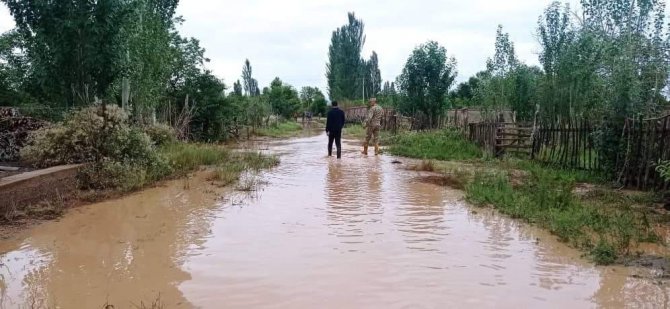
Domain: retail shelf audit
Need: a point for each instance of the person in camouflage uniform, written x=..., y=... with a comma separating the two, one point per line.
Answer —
x=373, y=125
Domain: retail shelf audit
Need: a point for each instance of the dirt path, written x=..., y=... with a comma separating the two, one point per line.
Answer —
x=321, y=233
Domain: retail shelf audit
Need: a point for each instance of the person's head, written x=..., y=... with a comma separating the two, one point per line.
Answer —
x=373, y=101
x=333, y=104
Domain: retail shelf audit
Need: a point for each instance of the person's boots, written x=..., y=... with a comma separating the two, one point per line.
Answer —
x=365, y=150
x=377, y=152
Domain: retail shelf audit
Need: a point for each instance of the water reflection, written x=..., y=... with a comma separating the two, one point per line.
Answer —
x=121, y=252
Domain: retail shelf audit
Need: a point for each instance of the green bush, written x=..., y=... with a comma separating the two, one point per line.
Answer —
x=121, y=156
x=161, y=134
x=85, y=137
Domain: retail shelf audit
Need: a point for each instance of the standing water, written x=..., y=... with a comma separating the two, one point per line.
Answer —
x=359, y=232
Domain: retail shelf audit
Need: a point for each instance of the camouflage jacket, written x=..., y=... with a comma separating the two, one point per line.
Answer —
x=374, y=118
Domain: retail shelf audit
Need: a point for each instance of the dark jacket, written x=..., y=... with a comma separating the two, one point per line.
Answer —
x=335, y=120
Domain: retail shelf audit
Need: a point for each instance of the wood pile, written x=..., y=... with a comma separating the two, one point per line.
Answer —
x=14, y=132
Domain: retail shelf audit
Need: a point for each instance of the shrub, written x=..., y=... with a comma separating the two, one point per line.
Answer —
x=84, y=137
x=161, y=134
x=111, y=175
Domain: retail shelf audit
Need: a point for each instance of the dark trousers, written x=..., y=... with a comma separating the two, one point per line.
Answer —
x=337, y=137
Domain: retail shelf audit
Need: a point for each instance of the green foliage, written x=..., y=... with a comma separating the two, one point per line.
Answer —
x=313, y=100
x=354, y=130
x=183, y=157
x=372, y=76
x=237, y=88
x=440, y=145
x=464, y=94
x=283, y=98
x=161, y=134
x=84, y=136
x=425, y=81
x=345, y=68
x=147, y=53
x=120, y=156
x=496, y=90
x=71, y=46
x=229, y=173
x=250, y=84
x=281, y=129
x=544, y=197
x=604, y=253
x=663, y=169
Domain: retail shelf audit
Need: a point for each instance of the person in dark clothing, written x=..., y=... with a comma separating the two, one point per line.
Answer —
x=334, y=124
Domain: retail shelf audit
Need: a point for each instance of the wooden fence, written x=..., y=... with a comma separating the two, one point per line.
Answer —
x=484, y=135
x=643, y=144
x=565, y=144
x=646, y=142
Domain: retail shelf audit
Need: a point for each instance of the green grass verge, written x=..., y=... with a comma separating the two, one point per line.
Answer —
x=282, y=129
x=436, y=145
x=606, y=229
x=354, y=130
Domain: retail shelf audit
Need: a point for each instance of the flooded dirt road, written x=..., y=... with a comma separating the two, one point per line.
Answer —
x=321, y=233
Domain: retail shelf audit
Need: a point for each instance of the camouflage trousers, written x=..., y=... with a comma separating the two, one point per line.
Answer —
x=372, y=133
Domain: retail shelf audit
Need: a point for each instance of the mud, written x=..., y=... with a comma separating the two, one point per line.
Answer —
x=321, y=233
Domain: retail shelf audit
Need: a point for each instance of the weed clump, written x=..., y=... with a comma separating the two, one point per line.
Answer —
x=440, y=145
x=161, y=134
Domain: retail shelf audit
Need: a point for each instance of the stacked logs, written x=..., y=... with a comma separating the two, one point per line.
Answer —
x=14, y=132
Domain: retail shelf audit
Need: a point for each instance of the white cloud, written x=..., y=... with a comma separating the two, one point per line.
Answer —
x=290, y=38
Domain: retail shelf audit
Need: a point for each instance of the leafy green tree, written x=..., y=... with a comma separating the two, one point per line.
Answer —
x=72, y=46
x=148, y=32
x=237, y=88
x=313, y=100
x=283, y=98
x=525, y=81
x=465, y=93
x=425, y=81
x=497, y=90
x=345, y=68
x=372, y=76
x=14, y=70
x=250, y=83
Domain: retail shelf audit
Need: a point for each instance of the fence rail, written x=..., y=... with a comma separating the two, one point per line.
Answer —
x=646, y=142
x=566, y=144
x=571, y=144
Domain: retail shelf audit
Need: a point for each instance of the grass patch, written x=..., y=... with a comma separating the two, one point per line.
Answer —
x=545, y=198
x=230, y=172
x=436, y=145
x=282, y=129
x=184, y=157
x=354, y=130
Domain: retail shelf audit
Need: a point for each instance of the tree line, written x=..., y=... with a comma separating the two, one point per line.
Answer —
x=64, y=55
x=602, y=60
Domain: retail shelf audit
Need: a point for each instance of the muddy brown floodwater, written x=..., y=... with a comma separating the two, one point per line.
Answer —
x=356, y=233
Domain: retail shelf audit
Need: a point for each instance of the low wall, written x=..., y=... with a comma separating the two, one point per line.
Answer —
x=33, y=187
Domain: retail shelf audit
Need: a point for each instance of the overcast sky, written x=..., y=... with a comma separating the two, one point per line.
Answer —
x=290, y=38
